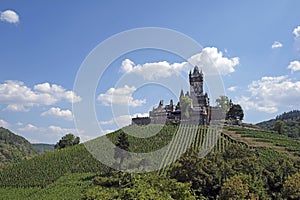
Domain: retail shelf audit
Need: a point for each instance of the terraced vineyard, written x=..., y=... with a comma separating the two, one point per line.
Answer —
x=70, y=171
x=200, y=139
x=264, y=138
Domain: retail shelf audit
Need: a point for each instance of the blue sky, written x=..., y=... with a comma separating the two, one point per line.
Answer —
x=254, y=44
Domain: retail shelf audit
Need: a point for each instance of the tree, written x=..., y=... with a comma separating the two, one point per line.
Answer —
x=224, y=103
x=291, y=187
x=234, y=188
x=66, y=141
x=235, y=113
x=279, y=126
x=185, y=105
x=122, y=149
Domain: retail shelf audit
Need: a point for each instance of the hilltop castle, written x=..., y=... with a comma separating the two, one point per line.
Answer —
x=197, y=112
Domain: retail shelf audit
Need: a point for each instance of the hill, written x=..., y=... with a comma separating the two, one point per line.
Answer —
x=42, y=148
x=72, y=173
x=14, y=148
x=288, y=123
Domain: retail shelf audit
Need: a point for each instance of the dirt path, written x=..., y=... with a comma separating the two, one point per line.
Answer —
x=252, y=143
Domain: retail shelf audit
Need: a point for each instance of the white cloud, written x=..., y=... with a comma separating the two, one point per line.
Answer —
x=153, y=71
x=123, y=120
x=294, y=66
x=4, y=123
x=271, y=93
x=209, y=59
x=29, y=128
x=58, y=113
x=53, y=131
x=232, y=88
x=296, y=31
x=120, y=96
x=9, y=16
x=19, y=97
x=57, y=91
x=276, y=44
x=19, y=124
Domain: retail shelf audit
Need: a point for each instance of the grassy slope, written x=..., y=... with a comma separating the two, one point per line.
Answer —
x=14, y=148
x=64, y=174
x=69, y=186
x=263, y=138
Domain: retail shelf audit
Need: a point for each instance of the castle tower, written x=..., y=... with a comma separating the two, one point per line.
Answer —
x=196, y=82
x=196, y=87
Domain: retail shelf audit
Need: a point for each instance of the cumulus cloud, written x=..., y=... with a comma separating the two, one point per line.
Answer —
x=20, y=97
x=29, y=128
x=270, y=93
x=123, y=120
x=4, y=123
x=296, y=32
x=55, y=131
x=210, y=59
x=232, y=88
x=276, y=44
x=153, y=71
x=58, y=113
x=120, y=96
x=294, y=66
x=9, y=16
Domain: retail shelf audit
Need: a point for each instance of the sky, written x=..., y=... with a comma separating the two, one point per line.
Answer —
x=254, y=45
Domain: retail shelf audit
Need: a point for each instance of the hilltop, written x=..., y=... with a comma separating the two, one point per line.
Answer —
x=13, y=147
x=288, y=123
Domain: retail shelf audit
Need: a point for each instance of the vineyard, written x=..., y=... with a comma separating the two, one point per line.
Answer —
x=71, y=170
x=45, y=169
x=288, y=144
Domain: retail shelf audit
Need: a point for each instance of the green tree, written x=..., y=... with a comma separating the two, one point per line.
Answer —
x=224, y=103
x=66, y=141
x=279, y=126
x=234, y=188
x=235, y=113
x=185, y=105
x=291, y=187
x=122, y=149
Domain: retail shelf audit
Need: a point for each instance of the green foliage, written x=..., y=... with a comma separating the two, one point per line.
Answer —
x=122, y=149
x=279, y=126
x=14, y=148
x=67, y=141
x=60, y=174
x=291, y=115
x=69, y=186
x=287, y=123
x=291, y=187
x=43, y=170
x=224, y=103
x=144, y=186
x=235, y=113
x=234, y=188
x=185, y=105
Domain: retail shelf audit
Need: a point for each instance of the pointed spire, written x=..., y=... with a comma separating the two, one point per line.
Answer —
x=196, y=70
x=181, y=93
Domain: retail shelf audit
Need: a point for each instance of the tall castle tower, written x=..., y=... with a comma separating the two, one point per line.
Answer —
x=199, y=99
x=196, y=82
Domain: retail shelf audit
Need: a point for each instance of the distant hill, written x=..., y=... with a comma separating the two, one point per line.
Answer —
x=13, y=147
x=42, y=148
x=291, y=123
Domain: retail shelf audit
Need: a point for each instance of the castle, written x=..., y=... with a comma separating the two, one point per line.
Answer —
x=195, y=109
